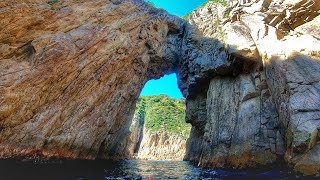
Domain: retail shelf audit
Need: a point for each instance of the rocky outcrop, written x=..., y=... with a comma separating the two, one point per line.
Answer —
x=242, y=123
x=161, y=146
x=259, y=85
x=158, y=130
x=136, y=134
x=71, y=71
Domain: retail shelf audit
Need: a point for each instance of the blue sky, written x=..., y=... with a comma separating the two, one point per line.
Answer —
x=178, y=7
x=165, y=85
x=168, y=84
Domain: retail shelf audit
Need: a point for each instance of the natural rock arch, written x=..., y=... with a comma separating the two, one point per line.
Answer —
x=71, y=71
x=70, y=76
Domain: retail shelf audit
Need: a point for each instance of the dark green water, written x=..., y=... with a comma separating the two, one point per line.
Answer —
x=130, y=169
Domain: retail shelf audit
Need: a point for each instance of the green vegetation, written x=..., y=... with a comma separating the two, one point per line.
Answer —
x=151, y=4
x=140, y=110
x=162, y=113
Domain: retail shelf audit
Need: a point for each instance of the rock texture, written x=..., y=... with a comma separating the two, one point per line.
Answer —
x=259, y=84
x=158, y=129
x=161, y=146
x=136, y=134
x=242, y=127
x=71, y=71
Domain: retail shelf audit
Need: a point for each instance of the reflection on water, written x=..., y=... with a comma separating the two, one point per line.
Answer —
x=130, y=169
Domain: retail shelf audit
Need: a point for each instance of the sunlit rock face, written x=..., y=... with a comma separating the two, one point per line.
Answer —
x=161, y=146
x=158, y=130
x=253, y=93
x=71, y=71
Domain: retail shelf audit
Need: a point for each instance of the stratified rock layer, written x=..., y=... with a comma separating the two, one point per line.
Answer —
x=259, y=81
x=161, y=146
x=71, y=71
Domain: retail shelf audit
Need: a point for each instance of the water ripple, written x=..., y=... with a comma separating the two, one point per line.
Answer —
x=129, y=169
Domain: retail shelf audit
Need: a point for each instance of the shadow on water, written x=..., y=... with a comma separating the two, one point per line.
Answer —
x=129, y=169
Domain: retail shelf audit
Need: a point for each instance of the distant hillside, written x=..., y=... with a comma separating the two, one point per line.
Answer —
x=162, y=113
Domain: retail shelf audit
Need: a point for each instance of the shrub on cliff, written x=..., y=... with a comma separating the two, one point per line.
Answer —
x=162, y=113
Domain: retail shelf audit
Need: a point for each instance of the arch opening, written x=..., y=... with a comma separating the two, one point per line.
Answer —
x=158, y=129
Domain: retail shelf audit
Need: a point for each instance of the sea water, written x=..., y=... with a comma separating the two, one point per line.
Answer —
x=127, y=169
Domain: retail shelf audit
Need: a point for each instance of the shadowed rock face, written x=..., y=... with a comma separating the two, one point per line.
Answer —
x=71, y=72
x=254, y=96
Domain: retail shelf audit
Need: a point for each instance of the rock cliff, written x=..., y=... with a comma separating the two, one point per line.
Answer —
x=161, y=146
x=71, y=72
x=158, y=130
x=253, y=92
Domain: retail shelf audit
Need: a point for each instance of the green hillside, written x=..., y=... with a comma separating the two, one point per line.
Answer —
x=163, y=113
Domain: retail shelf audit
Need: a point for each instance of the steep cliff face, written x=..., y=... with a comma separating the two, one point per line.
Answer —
x=161, y=146
x=259, y=84
x=71, y=71
x=158, y=129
